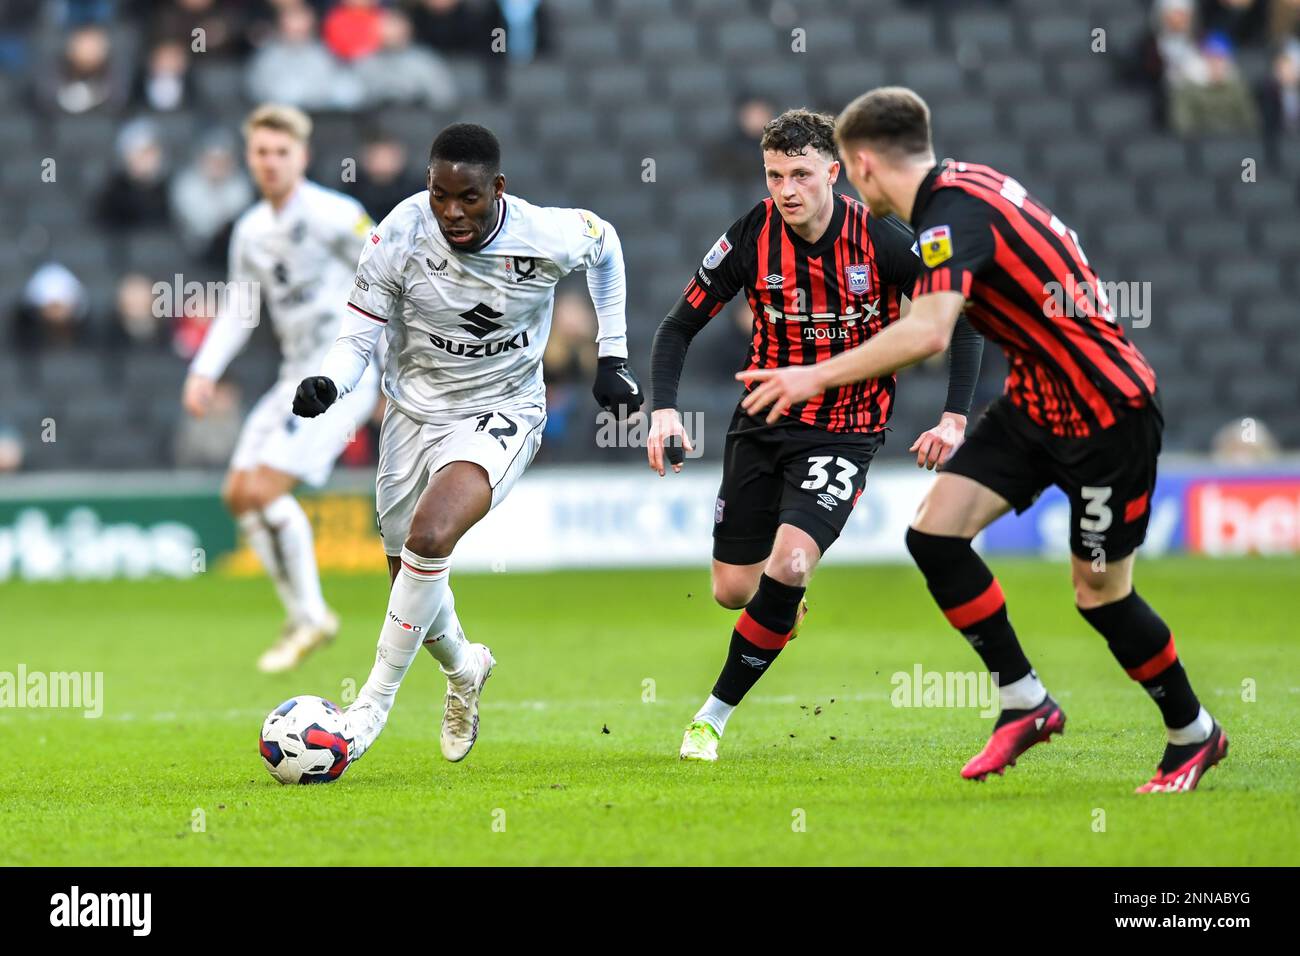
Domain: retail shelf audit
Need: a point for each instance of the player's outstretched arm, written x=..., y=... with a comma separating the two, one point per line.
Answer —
x=935, y=445
x=237, y=315
x=668, y=438
x=616, y=388
x=925, y=332
x=342, y=368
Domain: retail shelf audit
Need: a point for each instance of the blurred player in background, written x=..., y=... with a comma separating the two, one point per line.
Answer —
x=460, y=279
x=821, y=276
x=1080, y=412
x=295, y=251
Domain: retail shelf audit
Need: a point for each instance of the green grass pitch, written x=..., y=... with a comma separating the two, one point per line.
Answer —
x=817, y=766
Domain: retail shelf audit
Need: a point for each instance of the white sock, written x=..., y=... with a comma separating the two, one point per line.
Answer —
x=413, y=604
x=446, y=639
x=715, y=713
x=1194, y=733
x=292, y=530
x=264, y=546
x=1024, y=694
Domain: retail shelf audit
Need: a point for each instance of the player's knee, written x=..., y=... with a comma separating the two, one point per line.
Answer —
x=258, y=494
x=933, y=553
x=732, y=594
x=233, y=497
x=1095, y=588
x=432, y=539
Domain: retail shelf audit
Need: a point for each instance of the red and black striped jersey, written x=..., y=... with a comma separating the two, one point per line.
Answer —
x=813, y=300
x=1030, y=289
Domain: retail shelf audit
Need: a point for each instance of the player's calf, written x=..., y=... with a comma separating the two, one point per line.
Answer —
x=1144, y=646
x=761, y=631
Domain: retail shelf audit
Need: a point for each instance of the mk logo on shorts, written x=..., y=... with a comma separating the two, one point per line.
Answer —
x=717, y=511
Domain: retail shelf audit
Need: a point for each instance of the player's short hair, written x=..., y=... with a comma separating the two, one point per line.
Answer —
x=795, y=130
x=891, y=119
x=467, y=143
x=285, y=119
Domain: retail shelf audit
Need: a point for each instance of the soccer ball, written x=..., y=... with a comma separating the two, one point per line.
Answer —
x=305, y=740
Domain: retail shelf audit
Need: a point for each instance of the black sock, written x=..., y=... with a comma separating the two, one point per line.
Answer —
x=762, y=629
x=1142, y=644
x=971, y=599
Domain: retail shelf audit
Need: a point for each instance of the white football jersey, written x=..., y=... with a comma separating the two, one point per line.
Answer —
x=301, y=259
x=466, y=331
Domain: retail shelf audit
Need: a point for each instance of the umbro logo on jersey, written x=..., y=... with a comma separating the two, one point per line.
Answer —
x=774, y=281
x=478, y=321
x=437, y=268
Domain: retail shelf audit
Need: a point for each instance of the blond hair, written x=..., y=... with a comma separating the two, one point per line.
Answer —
x=284, y=119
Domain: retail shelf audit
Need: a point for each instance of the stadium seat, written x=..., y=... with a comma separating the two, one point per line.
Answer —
x=1114, y=115
x=934, y=80
x=1282, y=237
x=1244, y=274
x=669, y=39
x=1058, y=33
x=1211, y=237
x=1152, y=155
x=843, y=81
x=782, y=81
x=748, y=40
x=616, y=84
x=590, y=41
x=831, y=38
x=541, y=83
x=1043, y=118
x=905, y=35
x=1010, y=76
x=990, y=32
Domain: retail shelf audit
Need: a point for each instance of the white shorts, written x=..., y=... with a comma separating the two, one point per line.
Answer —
x=303, y=447
x=503, y=443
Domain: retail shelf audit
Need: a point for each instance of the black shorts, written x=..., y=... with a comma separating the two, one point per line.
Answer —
x=1108, y=476
x=788, y=473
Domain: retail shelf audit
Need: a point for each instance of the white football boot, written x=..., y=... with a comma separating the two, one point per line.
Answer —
x=364, y=722
x=460, y=714
x=296, y=642
x=700, y=742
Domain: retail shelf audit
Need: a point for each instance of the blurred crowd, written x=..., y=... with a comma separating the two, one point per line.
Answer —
x=131, y=61
x=1193, y=57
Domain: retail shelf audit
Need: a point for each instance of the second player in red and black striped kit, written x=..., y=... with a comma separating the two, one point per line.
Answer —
x=1080, y=411
x=821, y=276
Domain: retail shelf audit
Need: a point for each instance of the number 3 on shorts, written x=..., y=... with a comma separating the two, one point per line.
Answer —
x=818, y=477
x=1099, y=516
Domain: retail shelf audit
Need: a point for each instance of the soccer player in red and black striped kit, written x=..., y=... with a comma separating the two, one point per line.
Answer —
x=821, y=275
x=1080, y=411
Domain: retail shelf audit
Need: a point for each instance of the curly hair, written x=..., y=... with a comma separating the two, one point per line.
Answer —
x=795, y=130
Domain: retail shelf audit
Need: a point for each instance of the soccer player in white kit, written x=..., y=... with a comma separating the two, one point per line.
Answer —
x=460, y=280
x=295, y=250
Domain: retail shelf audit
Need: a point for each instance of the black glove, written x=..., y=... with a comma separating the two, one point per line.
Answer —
x=616, y=385
x=314, y=396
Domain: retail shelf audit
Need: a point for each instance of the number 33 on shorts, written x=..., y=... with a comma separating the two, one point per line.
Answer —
x=839, y=487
